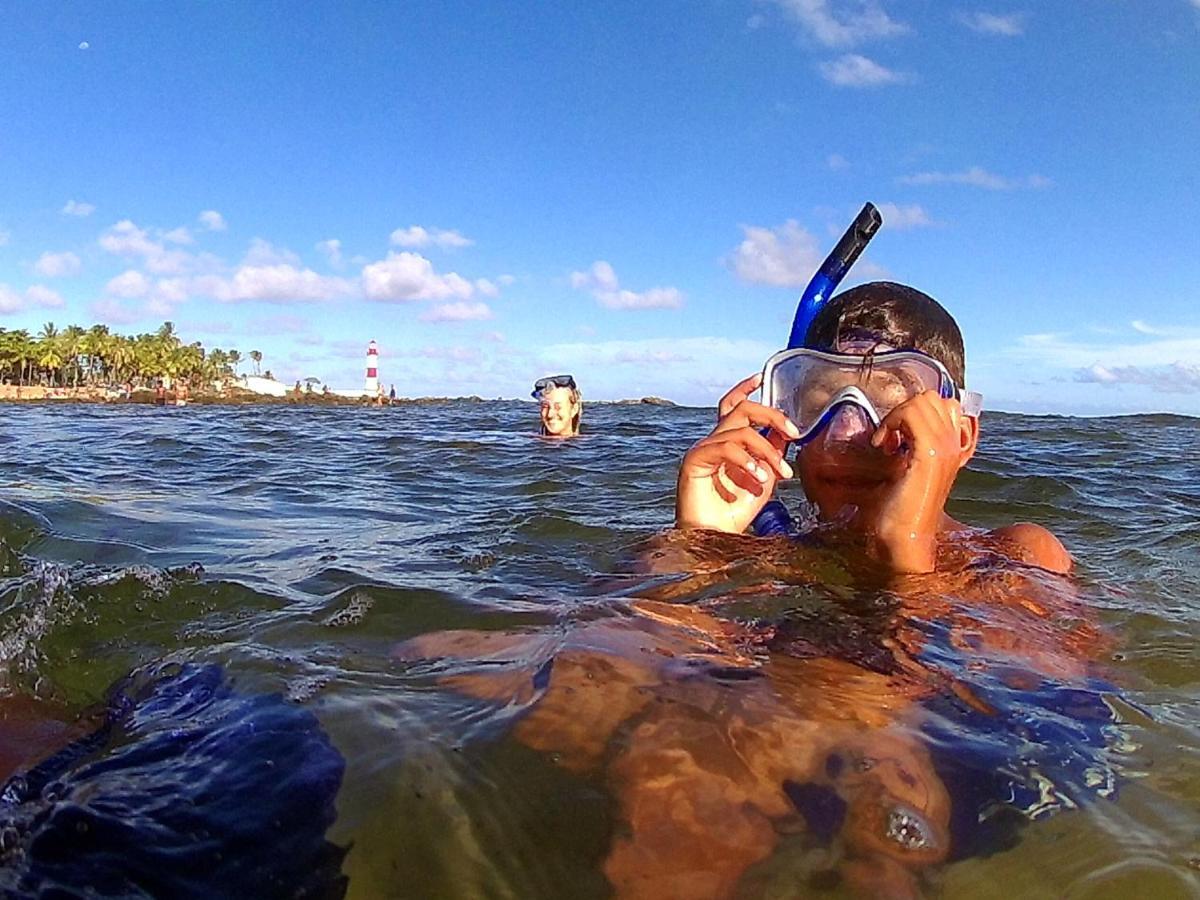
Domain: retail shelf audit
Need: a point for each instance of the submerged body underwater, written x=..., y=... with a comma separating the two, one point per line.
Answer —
x=478, y=665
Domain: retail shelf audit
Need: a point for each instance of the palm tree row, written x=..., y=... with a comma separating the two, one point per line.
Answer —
x=92, y=356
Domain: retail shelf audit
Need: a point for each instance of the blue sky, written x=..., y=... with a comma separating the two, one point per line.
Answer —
x=633, y=192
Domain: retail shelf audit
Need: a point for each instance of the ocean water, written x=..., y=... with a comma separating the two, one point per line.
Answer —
x=518, y=671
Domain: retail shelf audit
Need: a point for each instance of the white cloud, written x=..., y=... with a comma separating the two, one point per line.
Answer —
x=496, y=337
x=836, y=161
x=1166, y=360
x=1144, y=328
x=410, y=276
x=460, y=311
x=785, y=256
x=159, y=306
x=332, y=250
x=40, y=295
x=1177, y=378
x=84, y=45
x=113, y=312
x=280, y=282
x=36, y=294
x=977, y=177
x=212, y=220
x=506, y=280
x=416, y=236
x=10, y=300
x=171, y=290
x=1012, y=25
x=601, y=281
x=651, y=357
x=162, y=296
x=903, y=217
x=455, y=354
x=264, y=253
x=854, y=70
x=127, y=240
x=130, y=285
x=486, y=287
x=78, y=208
x=843, y=23
x=660, y=366
x=179, y=235
x=57, y=265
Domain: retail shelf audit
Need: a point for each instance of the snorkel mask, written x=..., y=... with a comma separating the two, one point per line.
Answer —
x=543, y=385
x=847, y=395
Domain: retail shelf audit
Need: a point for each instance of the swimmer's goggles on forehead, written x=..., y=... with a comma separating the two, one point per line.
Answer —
x=551, y=382
x=810, y=386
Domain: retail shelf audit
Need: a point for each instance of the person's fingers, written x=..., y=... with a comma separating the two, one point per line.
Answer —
x=750, y=413
x=921, y=424
x=759, y=447
x=737, y=394
x=708, y=456
x=744, y=480
x=725, y=487
x=778, y=441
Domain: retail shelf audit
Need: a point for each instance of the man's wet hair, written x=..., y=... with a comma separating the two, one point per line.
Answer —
x=895, y=314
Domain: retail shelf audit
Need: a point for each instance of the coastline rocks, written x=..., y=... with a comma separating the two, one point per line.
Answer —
x=646, y=401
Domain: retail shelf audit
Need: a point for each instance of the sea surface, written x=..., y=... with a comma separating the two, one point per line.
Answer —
x=387, y=578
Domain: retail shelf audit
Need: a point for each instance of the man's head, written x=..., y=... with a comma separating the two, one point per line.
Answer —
x=875, y=318
x=893, y=314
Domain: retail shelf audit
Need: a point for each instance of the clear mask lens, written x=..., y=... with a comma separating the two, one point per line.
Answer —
x=807, y=385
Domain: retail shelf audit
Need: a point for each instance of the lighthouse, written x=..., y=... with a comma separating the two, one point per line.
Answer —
x=372, y=387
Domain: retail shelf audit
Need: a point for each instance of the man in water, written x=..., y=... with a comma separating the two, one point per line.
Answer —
x=885, y=466
x=726, y=736
x=560, y=404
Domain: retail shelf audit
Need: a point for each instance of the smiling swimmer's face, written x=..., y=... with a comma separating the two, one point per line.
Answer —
x=559, y=412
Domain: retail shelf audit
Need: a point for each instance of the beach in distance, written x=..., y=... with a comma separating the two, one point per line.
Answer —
x=323, y=554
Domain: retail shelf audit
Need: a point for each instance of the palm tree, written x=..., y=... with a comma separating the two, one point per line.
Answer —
x=72, y=340
x=256, y=355
x=48, y=357
x=234, y=359
x=96, y=345
x=23, y=353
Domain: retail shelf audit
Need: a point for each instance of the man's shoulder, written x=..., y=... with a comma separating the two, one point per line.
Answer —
x=1036, y=545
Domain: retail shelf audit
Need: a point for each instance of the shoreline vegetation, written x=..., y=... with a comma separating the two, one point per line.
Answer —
x=93, y=365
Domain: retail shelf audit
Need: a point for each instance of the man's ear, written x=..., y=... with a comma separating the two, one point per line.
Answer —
x=968, y=438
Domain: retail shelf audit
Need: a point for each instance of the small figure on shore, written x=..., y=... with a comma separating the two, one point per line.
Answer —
x=561, y=405
x=160, y=394
x=392, y=396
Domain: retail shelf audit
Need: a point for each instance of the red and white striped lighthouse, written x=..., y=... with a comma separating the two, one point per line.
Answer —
x=372, y=387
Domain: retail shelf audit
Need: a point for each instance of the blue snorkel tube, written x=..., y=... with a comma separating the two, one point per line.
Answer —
x=833, y=270
x=774, y=519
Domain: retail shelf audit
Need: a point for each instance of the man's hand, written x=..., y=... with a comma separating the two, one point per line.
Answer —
x=925, y=437
x=727, y=477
